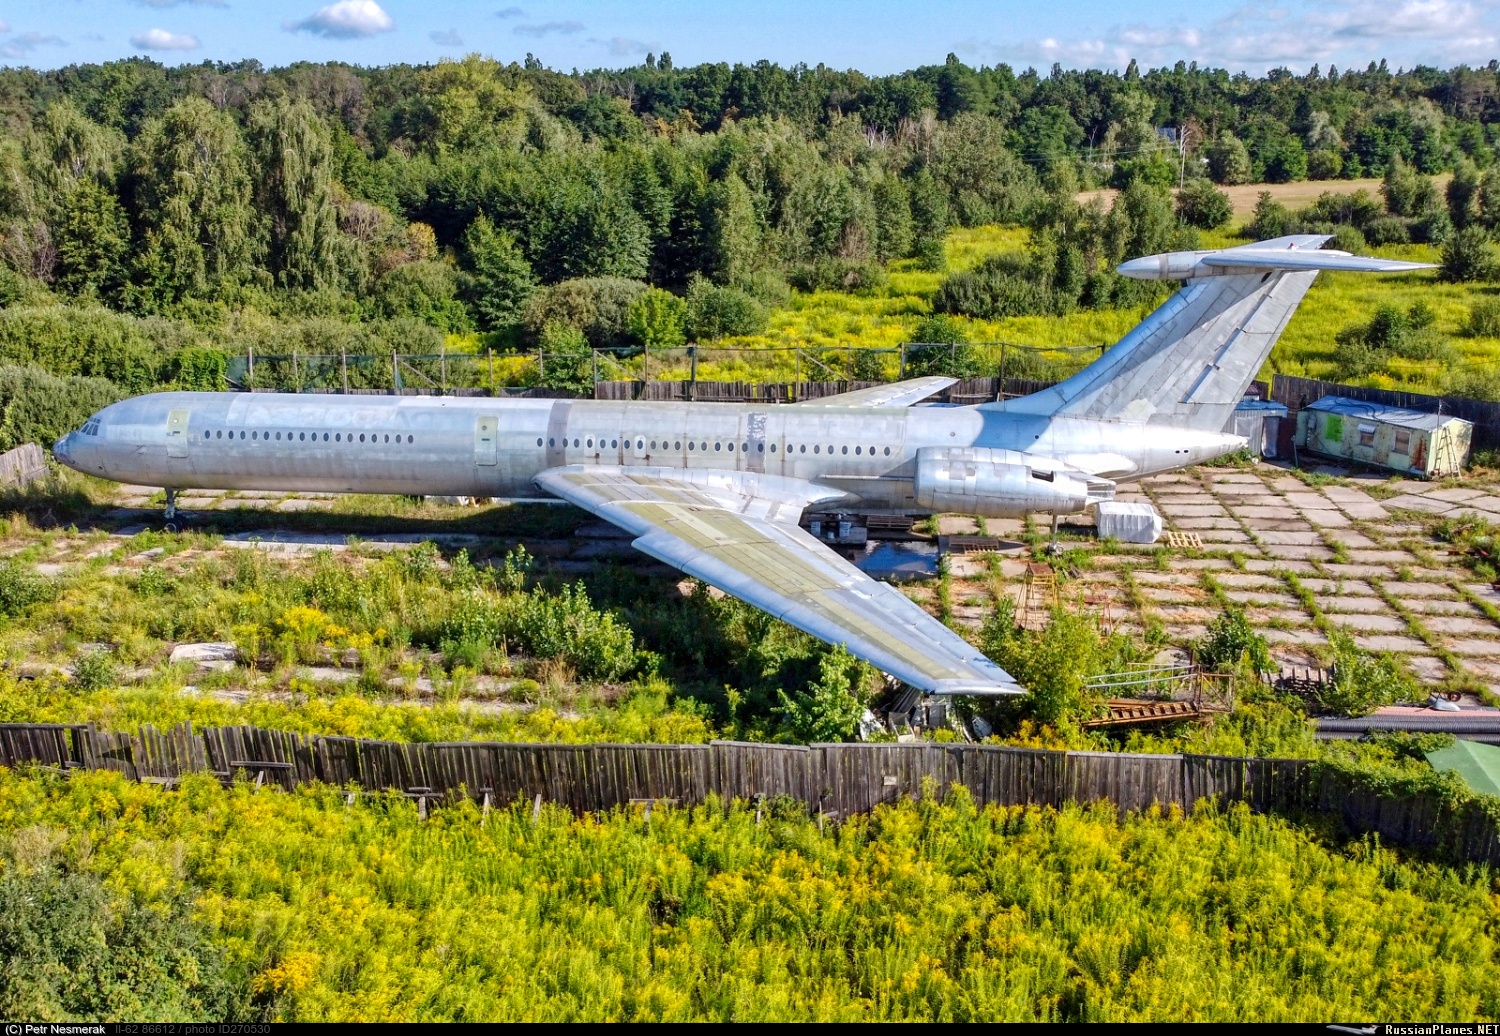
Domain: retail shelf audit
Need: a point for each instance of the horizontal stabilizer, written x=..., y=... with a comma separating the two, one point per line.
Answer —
x=1295, y=253
x=901, y=393
x=1316, y=259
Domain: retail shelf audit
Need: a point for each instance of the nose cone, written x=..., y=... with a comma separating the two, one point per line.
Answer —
x=62, y=450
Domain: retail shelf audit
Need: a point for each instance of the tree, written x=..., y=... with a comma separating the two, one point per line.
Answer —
x=828, y=709
x=294, y=193
x=93, y=243
x=1200, y=205
x=1229, y=160
x=193, y=197
x=719, y=311
x=656, y=319
x=1469, y=256
x=731, y=231
x=501, y=281
x=893, y=223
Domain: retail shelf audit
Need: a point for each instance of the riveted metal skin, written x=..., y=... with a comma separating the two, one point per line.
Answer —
x=717, y=489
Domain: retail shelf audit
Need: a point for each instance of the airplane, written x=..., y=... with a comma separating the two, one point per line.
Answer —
x=717, y=489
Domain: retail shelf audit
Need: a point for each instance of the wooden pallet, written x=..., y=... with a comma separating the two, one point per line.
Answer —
x=1184, y=540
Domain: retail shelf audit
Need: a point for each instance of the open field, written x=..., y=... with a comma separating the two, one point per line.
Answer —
x=1295, y=195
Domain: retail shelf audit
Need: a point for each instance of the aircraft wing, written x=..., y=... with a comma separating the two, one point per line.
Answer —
x=738, y=531
x=900, y=393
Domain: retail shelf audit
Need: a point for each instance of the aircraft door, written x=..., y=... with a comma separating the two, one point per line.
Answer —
x=177, y=432
x=755, y=440
x=486, y=430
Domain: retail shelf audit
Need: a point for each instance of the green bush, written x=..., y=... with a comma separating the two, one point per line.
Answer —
x=656, y=319
x=830, y=274
x=1347, y=239
x=76, y=951
x=1202, y=205
x=1469, y=256
x=38, y=407
x=716, y=311
x=1484, y=318
x=1362, y=682
x=95, y=670
x=1232, y=642
x=828, y=709
x=597, y=306
x=564, y=625
x=21, y=587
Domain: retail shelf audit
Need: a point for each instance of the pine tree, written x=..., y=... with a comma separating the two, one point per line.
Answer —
x=501, y=278
x=93, y=242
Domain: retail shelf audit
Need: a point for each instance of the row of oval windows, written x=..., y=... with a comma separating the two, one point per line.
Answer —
x=302, y=436
x=640, y=444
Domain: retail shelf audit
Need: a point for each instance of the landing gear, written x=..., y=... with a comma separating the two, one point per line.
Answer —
x=171, y=523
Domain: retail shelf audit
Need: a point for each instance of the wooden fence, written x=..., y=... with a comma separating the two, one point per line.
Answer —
x=837, y=780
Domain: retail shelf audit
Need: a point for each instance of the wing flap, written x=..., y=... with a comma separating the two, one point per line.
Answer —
x=900, y=393
x=722, y=538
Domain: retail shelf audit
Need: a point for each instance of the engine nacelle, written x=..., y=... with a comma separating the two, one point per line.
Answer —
x=1002, y=483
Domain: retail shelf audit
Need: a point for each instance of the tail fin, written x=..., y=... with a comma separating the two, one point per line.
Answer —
x=1188, y=363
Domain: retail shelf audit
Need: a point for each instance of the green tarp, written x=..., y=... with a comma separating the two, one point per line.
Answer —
x=1477, y=764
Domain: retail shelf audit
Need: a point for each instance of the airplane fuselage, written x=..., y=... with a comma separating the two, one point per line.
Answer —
x=485, y=447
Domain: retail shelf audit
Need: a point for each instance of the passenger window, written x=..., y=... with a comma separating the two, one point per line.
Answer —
x=691, y=445
x=653, y=444
x=677, y=445
x=703, y=446
x=846, y=451
x=887, y=451
x=761, y=448
x=575, y=444
x=552, y=441
x=255, y=435
x=731, y=447
x=411, y=438
x=539, y=442
x=773, y=447
x=718, y=446
x=640, y=444
x=591, y=444
x=361, y=437
x=817, y=449
x=802, y=448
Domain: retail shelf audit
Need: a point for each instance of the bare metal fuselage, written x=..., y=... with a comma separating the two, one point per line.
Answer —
x=461, y=446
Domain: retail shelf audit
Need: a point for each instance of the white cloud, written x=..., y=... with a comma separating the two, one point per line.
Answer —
x=345, y=20
x=1259, y=36
x=567, y=28
x=451, y=38
x=20, y=46
x=161, y=39
x=511, y=12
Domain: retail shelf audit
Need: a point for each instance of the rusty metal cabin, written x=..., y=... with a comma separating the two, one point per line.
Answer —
x=1409, y=441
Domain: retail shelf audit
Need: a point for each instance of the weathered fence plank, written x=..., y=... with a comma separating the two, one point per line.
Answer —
x=833, y=779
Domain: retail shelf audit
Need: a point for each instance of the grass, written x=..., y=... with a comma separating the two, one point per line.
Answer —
x=826, y=325
x=323, y=911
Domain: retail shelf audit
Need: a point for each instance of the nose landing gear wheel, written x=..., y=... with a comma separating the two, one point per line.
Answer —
x=171, y=522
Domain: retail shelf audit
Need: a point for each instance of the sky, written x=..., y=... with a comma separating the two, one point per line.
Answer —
x=875, y=36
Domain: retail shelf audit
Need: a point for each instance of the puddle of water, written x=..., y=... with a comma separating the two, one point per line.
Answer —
x=898, y=561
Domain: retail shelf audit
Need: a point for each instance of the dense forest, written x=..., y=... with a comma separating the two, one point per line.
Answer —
x=156, y=220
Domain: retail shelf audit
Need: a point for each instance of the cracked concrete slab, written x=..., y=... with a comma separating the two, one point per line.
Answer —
x=1381, y=557
x=1426, y=606
x=1309, y=636
x=1267, y=598
x=1417, y=503
x=1389, y=642
x=1352, y=540
x=1206, y=523
x=1303, y=539
x=1327, y=519
x=1367, y=623
x=1473, y=646
x=1366, y=512
x=1310, y=501
x=1458, y=624
x=1293, y=552
x=1365, y=605
x=1231, y=536
x=1397, y=589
